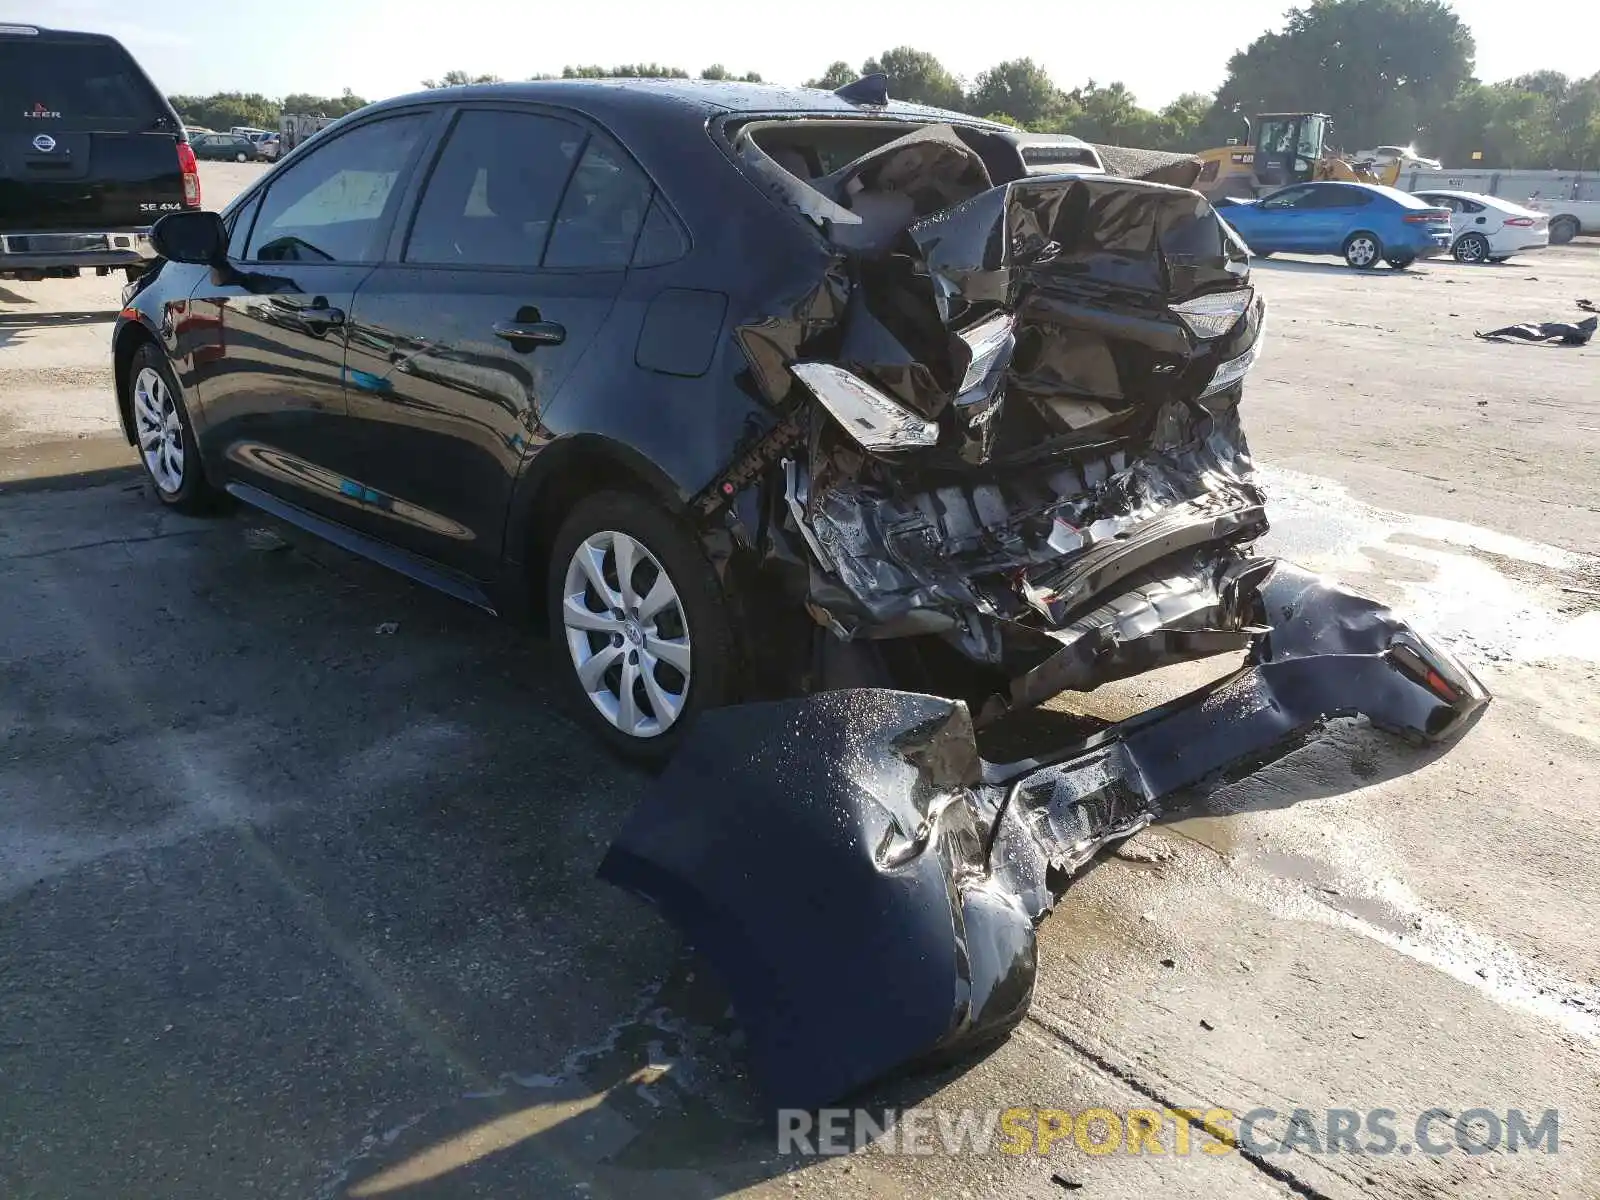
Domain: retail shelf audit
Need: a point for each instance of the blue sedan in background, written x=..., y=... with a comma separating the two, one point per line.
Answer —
x=1361, y=222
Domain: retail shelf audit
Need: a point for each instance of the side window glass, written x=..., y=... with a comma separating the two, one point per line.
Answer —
x=493, y=193
x=1471, y=206
x=1290, y=199
x=329, y=206
x=239, y=228
x=602, y=212
x=660, y=240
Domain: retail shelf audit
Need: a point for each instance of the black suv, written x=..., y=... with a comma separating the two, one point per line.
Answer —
x=748, y=390
x=91, y=155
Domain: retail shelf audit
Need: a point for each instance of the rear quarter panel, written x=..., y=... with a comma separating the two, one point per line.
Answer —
x=742, y=247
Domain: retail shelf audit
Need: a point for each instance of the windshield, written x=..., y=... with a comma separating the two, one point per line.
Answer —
x=73, y=86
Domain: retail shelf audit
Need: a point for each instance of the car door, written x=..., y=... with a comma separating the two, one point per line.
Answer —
x=519, y=244
x=266, y=358
x=1460, y=220
x=1332, y=212
x=1277, y=220
x=1471, y=216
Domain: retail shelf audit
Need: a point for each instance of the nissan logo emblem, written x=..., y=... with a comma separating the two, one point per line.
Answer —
x=44, y=143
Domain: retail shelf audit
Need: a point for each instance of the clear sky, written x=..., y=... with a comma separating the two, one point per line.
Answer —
x=380, y=48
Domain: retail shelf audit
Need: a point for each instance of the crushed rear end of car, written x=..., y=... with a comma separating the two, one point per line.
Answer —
x=1006, y=430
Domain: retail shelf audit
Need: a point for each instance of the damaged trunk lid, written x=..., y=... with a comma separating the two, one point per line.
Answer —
x=1032, y=446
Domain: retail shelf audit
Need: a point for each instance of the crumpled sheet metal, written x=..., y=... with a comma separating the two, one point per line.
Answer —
x=866, y=885
x=1549, y=331
x=1153, y=166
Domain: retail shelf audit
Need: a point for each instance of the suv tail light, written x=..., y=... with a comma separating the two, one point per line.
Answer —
x=1522, y=222
x=191, y=174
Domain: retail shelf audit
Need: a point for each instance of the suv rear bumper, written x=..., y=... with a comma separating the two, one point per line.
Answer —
x=48, y=250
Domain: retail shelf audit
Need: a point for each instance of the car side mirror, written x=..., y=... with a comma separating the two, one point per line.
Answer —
x=191, y=237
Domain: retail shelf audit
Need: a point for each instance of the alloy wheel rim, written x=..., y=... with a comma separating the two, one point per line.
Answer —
x=1472, y=249
x=1362, y=251
x=158, y=430
x=627, y=633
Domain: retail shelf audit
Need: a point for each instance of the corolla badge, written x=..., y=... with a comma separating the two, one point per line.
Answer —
x=44, y=143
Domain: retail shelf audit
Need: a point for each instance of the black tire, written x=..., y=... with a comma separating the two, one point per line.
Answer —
x=1362, y=250
x=1471, y=248
x=193, y=493
x=700, y=611
x=1563, y=230
x=1400, y=261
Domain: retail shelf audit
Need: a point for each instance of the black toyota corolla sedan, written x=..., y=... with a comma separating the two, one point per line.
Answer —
x=759, y=394
x=742, y=390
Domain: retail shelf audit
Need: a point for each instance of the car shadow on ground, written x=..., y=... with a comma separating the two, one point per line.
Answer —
x=46, y=320
x=14, y=326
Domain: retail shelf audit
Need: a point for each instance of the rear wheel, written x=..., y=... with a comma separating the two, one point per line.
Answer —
x=1563, y=230
x=239, y=157
x=164, y=436
x=1362, y=250
x=1473, y=248
x=639, y=622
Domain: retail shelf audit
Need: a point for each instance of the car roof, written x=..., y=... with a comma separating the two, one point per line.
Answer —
x=710, y=97
x=20, y=29
x=1404, y=199
x=1483, y=198
x=1460, y=195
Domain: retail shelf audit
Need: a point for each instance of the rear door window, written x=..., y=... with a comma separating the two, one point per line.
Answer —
x=49, y=85
x=1289, y=198
x=1336, y=196
x=604, y=206
x=494, y=191
x=332, y=205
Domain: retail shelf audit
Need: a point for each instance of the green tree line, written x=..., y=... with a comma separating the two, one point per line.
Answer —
x=1388, y=72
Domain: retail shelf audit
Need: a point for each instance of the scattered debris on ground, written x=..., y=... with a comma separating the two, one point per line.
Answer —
x=1549, y=331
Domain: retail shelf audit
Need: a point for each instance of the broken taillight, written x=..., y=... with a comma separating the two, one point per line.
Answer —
x=1235, y=369
x=191, y=175
x=1212, y=315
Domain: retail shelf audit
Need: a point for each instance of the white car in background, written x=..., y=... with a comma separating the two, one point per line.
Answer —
x=1487, y=228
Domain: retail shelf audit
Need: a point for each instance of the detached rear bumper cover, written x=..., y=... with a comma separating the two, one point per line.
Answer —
x=867, y=885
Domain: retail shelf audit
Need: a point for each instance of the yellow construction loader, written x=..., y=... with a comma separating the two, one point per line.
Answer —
x=1287, y=148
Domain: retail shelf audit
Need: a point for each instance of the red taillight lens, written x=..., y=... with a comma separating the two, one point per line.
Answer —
x=191, y=174
x=1522, y=222
x=1429, y=217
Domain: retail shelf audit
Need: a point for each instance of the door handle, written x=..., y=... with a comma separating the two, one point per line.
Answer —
x=314, y=318
x=525, y=335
